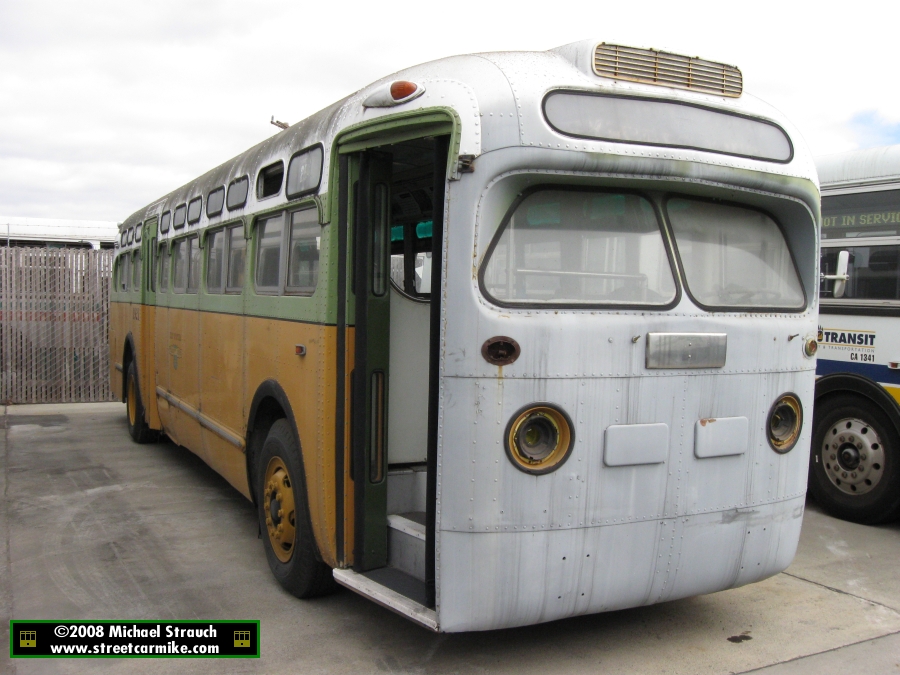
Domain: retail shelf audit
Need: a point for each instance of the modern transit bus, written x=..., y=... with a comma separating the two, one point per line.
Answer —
x=498, y=339
x=855, y=458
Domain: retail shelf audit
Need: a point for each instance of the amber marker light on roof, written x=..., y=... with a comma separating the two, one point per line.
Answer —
x=395, y=93
x=402, y=89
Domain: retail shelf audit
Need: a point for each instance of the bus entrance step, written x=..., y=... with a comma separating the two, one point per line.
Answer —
x=393, y=589
x=406, y=543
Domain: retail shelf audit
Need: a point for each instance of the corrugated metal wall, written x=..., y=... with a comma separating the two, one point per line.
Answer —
x=54, y=321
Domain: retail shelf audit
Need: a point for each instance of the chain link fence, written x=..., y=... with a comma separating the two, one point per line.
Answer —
x=54, y=324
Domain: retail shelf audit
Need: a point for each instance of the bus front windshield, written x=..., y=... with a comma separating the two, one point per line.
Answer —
x=584, y=248
x=580, y=247
x=733, y=257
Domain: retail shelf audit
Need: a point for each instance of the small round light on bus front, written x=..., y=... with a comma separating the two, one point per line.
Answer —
x=784, y=423
x=539, y=438
x=810, y=347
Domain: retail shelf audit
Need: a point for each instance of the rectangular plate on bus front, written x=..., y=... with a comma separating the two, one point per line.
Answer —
x=686, y=350
x=721, y=437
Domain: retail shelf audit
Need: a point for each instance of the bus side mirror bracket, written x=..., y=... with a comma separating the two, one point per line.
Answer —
x=840, y=279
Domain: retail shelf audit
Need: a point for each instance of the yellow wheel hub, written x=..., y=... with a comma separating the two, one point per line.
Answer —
x=132, y=402
x=278, y=502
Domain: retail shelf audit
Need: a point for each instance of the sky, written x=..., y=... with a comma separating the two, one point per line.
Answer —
x=106, y=105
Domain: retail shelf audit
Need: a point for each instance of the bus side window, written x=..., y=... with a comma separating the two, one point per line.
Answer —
x=153, y=265
x=124, y=271
x=163, y=268
x=268, y=183
x=873, y=270
x=237, y=247
x=269, y=233
x=179, y=266
x=194, y=264
x=136, y=271
x=215, y=262
x=303, y=261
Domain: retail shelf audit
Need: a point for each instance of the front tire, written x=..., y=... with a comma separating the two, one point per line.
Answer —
x=854, y=470
x=284, y=517
x=134, y=408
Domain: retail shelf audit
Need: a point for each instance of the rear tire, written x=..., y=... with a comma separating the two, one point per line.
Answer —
x=854, y=464
x=284, y=517
x=134, y=408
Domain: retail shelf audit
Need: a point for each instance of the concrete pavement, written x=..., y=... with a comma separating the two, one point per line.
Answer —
x=96, y=527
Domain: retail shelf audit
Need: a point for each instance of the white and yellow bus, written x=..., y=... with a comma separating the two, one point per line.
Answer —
x=498, y=339
x=855, y=463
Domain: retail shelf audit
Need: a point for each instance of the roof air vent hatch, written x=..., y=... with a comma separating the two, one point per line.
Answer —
x=649, y=66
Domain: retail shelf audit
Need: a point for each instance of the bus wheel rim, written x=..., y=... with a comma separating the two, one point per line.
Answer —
x=853, y=456
x=278, y=506
x=132, y=405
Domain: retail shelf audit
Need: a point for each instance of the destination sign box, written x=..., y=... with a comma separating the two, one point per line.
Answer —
x=863, y=214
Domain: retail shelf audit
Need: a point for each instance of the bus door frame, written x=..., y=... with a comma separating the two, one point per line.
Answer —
x=443, y=126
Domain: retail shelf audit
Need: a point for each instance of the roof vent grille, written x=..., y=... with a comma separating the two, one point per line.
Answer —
x=650, y=66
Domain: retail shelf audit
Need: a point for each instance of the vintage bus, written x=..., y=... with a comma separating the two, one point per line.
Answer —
x=855, y=465
x=498, y=339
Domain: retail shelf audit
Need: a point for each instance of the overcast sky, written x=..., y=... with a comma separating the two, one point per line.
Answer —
x=106, y=105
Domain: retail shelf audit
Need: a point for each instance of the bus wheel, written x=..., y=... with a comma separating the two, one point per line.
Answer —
x=854, y=470
x=284, y=517
x=137, y=426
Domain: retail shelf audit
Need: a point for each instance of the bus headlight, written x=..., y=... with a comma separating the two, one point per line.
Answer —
x=784, y=423
x=539, y=438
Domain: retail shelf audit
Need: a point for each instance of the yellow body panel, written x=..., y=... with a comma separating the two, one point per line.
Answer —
x=126, y=318
x=309, y=383
x=214, y=363
x=183, y=364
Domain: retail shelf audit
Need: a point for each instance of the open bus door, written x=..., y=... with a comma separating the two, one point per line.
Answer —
x=366, y=218
x=370, y=286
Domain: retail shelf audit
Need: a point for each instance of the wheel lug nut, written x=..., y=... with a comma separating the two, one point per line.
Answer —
x=859, y=446
x=844, y=474
x=853, y=475
x=833, y=457
x=862, y=457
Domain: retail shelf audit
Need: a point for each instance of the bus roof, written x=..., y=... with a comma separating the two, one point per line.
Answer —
x=871, y=166
x=496, y=99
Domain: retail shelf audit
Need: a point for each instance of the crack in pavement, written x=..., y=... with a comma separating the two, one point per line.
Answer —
x=824, y=651
x=832, y=649
x=842, y=592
